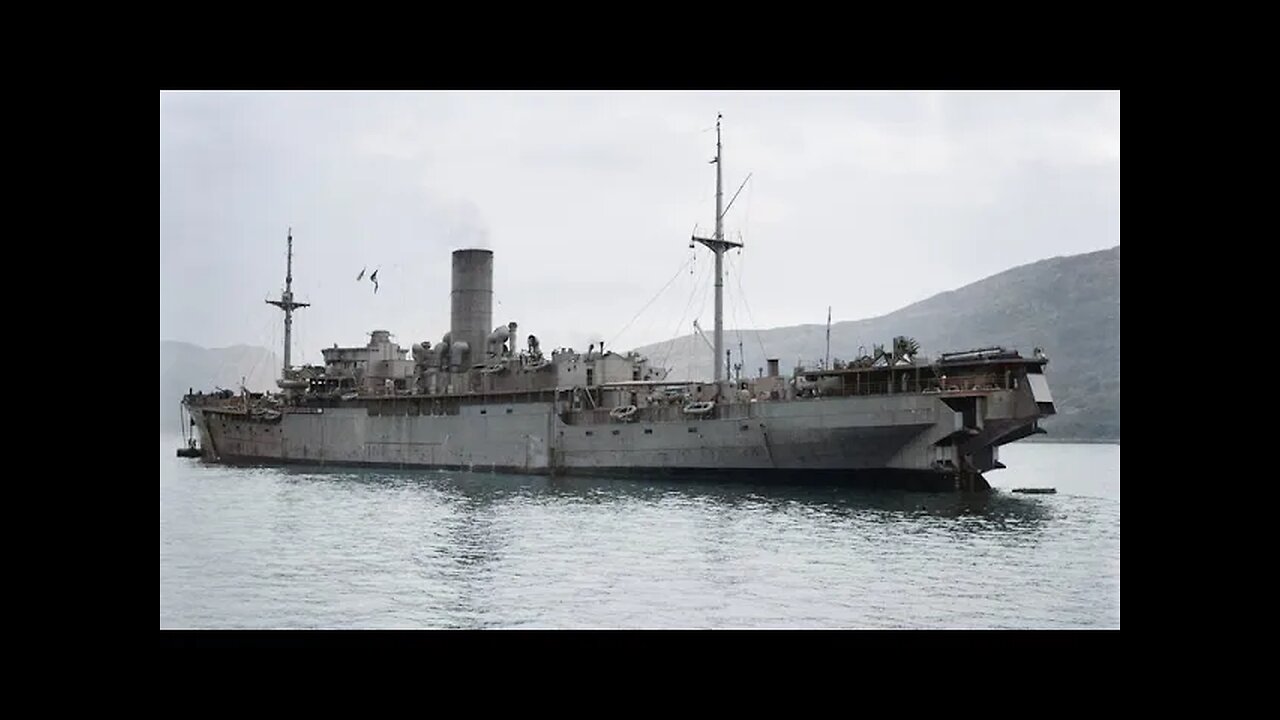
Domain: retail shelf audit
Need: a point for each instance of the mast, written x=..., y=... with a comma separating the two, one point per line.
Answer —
x=718, y=245
x=287, y=304
x=827, y=362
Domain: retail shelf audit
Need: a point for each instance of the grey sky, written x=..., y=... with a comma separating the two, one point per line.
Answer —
x=865, y=201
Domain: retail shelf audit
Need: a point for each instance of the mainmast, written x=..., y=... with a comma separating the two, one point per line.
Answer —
x=287, y=304
x=718, y=245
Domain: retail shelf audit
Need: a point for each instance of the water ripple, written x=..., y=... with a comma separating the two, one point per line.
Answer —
x=314, y=548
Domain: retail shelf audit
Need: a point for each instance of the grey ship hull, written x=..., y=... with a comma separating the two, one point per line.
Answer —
x=909, y=440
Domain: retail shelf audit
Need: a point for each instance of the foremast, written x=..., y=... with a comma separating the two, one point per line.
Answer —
x=287, y=304
x=718, y=245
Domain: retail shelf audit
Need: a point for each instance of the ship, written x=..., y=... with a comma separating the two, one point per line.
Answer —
x=477, y=401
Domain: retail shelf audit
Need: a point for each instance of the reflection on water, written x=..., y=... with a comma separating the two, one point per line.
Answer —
x=321, y=547
x=481, y=489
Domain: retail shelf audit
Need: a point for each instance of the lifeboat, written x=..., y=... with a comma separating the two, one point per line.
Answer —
x=624, y=413
x=699, y=408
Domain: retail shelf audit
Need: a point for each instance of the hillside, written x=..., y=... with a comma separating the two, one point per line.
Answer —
x=183, y=366
x=1070, y=306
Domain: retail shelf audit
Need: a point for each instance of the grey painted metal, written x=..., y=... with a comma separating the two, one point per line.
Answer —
x=287, y=304
x=1040, y=388
x=715, y=361
x=471, y=300
x=899, y=432
x=718, y=245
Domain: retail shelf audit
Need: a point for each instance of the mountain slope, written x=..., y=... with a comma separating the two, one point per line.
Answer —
x=183, y=366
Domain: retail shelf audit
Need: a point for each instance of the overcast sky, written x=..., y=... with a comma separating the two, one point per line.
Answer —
x=864, y=201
